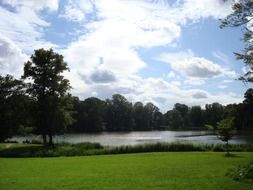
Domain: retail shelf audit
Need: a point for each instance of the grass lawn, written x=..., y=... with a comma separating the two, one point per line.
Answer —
x=172, y=170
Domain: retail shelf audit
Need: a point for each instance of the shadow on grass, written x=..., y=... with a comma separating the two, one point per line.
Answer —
x=232, y=155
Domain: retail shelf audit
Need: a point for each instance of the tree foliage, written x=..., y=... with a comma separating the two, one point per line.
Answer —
x=224, y=130
x=118, y=116
x=89, y=115
x=242, y=15
x=49, y=88
x=13, y=106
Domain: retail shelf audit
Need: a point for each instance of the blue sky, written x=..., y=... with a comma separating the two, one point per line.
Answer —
x=147, y=50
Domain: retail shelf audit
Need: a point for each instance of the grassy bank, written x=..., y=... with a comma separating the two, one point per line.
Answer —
x=84, y=149
x=177, y=171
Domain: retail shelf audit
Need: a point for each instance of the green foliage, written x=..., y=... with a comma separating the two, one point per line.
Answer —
x=213, y=113
x=89, y=115
x=225, y=129
x=49, y=89
x=179, y=171
x=242, y=15
x=196, y=117
x=13, y=106
x=86, y=148
x=118, y=116
x=174, y=119
x=242, y=173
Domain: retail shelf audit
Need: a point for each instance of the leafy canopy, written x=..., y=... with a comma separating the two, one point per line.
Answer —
x=242, y=15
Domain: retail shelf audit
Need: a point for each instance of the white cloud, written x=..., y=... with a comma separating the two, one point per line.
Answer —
x=11, y=58
x=76, y=10
x=196, y=9
x=196, y=68
x=51, y=5
x=25, y=26
x=114, y=31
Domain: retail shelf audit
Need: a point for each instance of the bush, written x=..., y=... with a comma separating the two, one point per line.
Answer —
x=242, y=173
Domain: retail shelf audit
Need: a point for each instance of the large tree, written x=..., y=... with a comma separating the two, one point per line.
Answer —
x=49, y=89
x=242, y=15
x=12, y=106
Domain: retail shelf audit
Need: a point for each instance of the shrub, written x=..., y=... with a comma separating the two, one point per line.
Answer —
x=242, y=173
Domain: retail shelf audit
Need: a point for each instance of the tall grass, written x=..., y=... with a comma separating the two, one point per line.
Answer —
x=84, y=149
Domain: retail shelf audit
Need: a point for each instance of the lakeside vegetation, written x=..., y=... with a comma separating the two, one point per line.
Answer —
x=86, y=149
x=179, y=171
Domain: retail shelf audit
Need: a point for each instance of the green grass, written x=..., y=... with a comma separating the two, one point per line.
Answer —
x=173, y=170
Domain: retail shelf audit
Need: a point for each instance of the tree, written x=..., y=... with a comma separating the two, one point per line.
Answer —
x=140, y=114
x=242, y=15
x=12, y=106
x=224, y=130
x=214, y=112
x=183, y=110
x=150, y=111
x=237, y=112
x=119, y=115
x=248, y=107
x=49, y=89
x=196, y=117
x=174, y=119
x=89, y=115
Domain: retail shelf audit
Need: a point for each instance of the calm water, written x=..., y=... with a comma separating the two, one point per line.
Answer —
x=132, y=138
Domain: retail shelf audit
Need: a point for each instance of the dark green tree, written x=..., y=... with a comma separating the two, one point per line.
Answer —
x=196, y=117
x=214, y=113
x=141, y=120
x=184, y=111
x=248, y=108
x=91, y=115
x=49, y=89
x=119, y=114
x=158, y=121
x=13, y=106
x=174, y=120
x=151, y=111
x=224, y=130
x=242, y=15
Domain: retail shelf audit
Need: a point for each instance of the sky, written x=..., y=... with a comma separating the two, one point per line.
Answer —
x=159, y=51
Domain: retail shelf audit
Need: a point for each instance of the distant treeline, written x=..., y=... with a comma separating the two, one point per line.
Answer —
x=118, y=114
x=115, y=114
x=40, y=103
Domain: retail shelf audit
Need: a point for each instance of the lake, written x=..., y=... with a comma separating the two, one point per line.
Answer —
x=132, y=138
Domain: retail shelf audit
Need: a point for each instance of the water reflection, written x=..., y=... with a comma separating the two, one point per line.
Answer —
x=132, y=138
